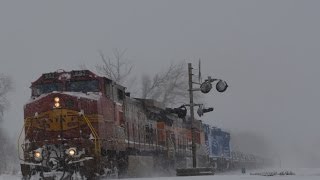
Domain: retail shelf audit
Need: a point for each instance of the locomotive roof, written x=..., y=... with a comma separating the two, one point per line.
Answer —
x=151, y=103
x=61, y=75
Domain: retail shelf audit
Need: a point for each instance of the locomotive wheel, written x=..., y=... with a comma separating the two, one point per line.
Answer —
x=26, y=171
x=109, y=168
x=88, y=170
x=66, y=176
x=26, y=177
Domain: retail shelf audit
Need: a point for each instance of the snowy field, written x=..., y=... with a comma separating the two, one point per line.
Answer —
x=301, y=174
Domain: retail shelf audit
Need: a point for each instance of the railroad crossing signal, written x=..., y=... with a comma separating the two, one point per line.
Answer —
x=206, y=86
x=180, y=111
x=202, y=110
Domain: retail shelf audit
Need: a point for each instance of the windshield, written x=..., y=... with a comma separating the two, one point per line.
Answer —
x=83, y=86
x=47, y=88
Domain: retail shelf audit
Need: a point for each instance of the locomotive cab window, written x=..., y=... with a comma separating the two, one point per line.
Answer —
x=83, y=86
x=120, y=95
x=108, y=88
x=46, y=88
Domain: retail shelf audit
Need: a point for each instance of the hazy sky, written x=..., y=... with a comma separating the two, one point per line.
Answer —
x=267, y=51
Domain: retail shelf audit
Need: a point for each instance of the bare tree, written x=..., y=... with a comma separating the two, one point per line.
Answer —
x=6, y=154
x=169, y=87
x=116, y=67
x=8, y=157
x=83, y=67
x=5, y=87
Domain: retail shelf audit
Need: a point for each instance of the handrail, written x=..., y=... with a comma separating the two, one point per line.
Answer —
x=97, y=142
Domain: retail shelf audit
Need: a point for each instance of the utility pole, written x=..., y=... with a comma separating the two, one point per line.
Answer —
x=205, y=87
x=194, y=148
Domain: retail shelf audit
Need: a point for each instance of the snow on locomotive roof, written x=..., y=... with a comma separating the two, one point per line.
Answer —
x=88, y=95
x=62, y=75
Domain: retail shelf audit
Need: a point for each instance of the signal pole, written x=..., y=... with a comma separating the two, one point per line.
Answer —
x=194, y=148
x=205, y=87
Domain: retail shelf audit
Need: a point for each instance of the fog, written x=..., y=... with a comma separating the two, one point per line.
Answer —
x=267, y=51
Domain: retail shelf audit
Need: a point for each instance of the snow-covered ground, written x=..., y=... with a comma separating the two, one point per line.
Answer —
x=301, y=174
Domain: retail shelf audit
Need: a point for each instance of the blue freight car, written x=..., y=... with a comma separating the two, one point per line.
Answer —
x=217, y=144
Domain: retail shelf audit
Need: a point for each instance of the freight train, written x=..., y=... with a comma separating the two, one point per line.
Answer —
x=79, y=124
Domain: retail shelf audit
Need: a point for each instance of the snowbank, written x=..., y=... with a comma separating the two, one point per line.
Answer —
x=301, y=174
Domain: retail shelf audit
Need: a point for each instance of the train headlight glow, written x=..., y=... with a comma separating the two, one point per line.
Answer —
x=56, y=99
x=56, y=102
x=37, y=155
x=57, y=105
x=71, y=151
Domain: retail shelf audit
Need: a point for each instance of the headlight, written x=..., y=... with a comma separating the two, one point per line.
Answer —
x=37, y=155
x=56, y=99
x=56, y=105
x=56, y=102
x=71, y=151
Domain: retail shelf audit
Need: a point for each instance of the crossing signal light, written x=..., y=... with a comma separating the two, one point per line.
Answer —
x=181, y=111
x=221, y=86
x=206, y=86
x=202, y=110
x=207, y=110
